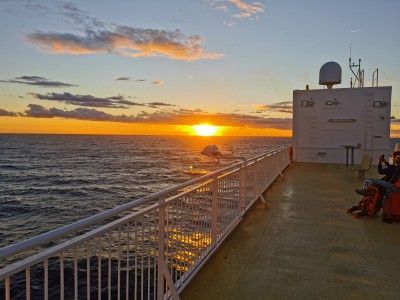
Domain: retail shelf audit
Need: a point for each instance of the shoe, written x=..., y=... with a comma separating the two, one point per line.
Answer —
x=361, y=192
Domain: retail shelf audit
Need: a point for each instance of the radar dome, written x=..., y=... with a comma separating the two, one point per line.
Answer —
x=330, y=74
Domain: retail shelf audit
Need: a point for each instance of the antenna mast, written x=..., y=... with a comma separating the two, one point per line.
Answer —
x=359, y=76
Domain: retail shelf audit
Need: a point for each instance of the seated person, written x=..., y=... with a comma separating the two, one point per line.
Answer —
x=372, y=200
x=383, y=184
x=389, y=170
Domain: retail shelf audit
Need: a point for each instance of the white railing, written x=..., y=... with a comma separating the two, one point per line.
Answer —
x=147, y=249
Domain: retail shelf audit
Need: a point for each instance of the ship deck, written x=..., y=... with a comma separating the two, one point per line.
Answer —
x=304, y=245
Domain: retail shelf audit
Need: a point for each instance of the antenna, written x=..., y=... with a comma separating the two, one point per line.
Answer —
x=359, y=76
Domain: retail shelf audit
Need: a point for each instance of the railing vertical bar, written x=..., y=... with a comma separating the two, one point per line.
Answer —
x=180, y=233
x=214, y=209
x=161, y=246
x=76, y=273
x=265, y=173
x=143, y=271
x=178, y=259
x=136, y=258
x=99, y=249
x=28, y=283
x=109, y=265
x=256, y=189
x=156, y=246
x=173, y=242
x=62, y=276
x=149, y=256
x=128, y=227
x=142, y=259
x=7, y=288
x=46, y=279
x=88, y=270
x=196, y=234
x=189, y=238
x=119, y=263
x=260, y=176
x=242, y=186
x=169, y=244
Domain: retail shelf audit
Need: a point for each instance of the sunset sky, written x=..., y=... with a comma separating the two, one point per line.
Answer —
x=160, y=67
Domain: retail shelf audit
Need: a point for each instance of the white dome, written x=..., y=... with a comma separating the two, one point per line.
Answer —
x=330, y=74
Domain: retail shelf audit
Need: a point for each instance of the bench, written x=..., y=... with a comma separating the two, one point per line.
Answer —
x=364, y=166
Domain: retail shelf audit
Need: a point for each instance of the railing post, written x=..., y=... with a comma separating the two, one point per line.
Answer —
x=7, y=288
x=257, y=191
x=214, y=215
x=160, y=248
x=243, y=185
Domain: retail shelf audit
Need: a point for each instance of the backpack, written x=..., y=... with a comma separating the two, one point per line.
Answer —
x=370, y=204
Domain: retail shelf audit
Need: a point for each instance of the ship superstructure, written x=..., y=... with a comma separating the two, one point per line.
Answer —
x=340, y=125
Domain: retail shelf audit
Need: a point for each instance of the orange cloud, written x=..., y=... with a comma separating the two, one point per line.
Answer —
x=246, y=10
x=126, y=41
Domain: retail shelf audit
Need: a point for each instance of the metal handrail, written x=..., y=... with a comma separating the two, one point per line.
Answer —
x=59, y=232
x=154, y=242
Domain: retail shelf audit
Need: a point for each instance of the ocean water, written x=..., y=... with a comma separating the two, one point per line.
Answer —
x=48, y=181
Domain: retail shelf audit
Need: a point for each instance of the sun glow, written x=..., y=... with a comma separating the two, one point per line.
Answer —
x=205, y=129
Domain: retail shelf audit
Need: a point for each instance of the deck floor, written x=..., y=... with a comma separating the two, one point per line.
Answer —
x=304, y=245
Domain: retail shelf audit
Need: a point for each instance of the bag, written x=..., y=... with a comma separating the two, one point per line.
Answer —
x=391, y=208
x=369, y=205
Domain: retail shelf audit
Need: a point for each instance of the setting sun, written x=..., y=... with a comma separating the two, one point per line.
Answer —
x=205, y=129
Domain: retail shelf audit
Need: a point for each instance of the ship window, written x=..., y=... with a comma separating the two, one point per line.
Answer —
x=334, y=102
x=380, y=103
x=305, y=103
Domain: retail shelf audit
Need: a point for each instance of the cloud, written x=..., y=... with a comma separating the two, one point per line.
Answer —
x=159, y=104
x=99, y=37
x=230, y=23
x=92, y=101
x=356, y=30
x=125, y=41
x=242, y=120
x=284, y=107
x=37, y=81
x=86, y=100
x=245, y=10
x=38, y=111
x=5, y=113
x=122, y=78
x=79, y=17
x=158, y=82
x=222, y=7
x=171, y=117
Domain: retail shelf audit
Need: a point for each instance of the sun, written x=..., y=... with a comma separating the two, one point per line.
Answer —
x=205, y=129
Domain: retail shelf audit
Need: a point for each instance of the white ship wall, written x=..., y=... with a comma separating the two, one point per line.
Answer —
x=327, y=120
